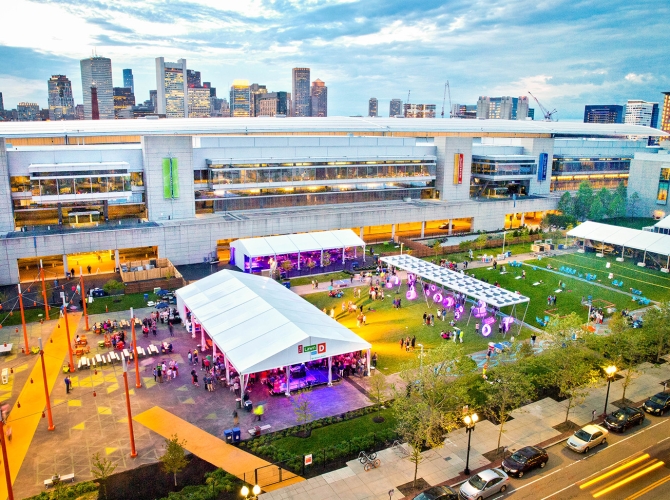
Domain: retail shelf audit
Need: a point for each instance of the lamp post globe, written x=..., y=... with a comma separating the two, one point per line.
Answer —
x=470, y=420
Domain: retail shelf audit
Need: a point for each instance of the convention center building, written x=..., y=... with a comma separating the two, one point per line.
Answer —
x=184, y=189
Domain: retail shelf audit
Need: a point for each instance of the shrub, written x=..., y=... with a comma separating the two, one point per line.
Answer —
x=113, y=287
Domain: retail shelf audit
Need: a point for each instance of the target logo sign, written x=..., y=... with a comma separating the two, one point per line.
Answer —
x=300, y=349
x=321, y=348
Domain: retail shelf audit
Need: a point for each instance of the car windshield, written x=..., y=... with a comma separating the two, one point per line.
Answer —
x=583, y=435
x=477, y=482
x=657, y=400
x=620, y=415
x=517, y=457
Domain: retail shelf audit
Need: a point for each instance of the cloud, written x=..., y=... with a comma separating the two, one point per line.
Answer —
x=639, y=78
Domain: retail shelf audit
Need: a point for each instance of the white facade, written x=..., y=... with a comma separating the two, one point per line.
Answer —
x=640, y=113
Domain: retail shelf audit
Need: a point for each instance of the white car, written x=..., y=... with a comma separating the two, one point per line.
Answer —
x=587, y=437
x=488, y=482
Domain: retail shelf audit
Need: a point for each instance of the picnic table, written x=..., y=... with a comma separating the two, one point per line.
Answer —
x=5, y=348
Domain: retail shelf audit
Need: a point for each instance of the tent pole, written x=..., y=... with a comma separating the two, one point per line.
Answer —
x=225, y=362
x=523, y=319
x=644, y=259
x=511, y=314
x=330, y=371
x=298, y=261
x=244, y=385
x=213, y=349
x=667, y=265
x=469, y=315
x=203, y=346
x=288, y=380
x=343, y=255
x=367, y=367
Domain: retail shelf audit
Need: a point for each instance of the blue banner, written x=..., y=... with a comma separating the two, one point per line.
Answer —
x=542, y=167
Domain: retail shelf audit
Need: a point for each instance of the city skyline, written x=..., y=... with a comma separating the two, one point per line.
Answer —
x=358, y=48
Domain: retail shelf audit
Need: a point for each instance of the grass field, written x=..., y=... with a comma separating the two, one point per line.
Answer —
x=336, y=433
x=653, y=284
x=567, y=301
x=386, y=326
x=322, y=278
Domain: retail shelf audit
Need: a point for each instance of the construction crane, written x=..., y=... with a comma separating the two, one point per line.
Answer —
x=548, y=115
x=444, y=98
x=408, y=93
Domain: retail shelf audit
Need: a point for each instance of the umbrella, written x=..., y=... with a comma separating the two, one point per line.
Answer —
x=162, y=305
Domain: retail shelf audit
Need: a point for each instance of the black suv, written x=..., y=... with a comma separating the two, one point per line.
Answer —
x=658, y=404
x=624, y=418
x=438, y=493
x=525, y=459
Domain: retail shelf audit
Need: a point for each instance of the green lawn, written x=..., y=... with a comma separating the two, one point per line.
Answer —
x=653, y=284
x=321, y=278
x=386, y=326
x=569, y=300
x=335, y=434
x=119, y=303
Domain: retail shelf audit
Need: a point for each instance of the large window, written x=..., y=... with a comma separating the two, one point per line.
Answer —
x=80, y=185
x=663, y=186
x=589, y=164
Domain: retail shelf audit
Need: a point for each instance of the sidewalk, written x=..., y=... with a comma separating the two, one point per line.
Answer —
x=532, y=424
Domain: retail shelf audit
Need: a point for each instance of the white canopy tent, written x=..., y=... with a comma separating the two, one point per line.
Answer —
x=249, y=248
x=663, y=225
x=259, y=325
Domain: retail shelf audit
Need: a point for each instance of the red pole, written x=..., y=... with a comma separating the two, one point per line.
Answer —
x=83, y=296
x=133, y=453
x=44, y=292
x=8, y=477
x=23, y=321
x=69, y=343
x=46, y=388
x=137, y=361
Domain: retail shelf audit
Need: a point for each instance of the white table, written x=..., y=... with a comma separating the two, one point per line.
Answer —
x=5, y=348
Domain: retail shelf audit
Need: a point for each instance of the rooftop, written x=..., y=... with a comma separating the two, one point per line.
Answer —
x=334, y=125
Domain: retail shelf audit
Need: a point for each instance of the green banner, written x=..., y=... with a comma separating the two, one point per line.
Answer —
x=170, y=178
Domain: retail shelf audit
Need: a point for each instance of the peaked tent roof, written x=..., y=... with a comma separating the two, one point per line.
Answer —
x=629, y=238
x=663, y=223
x=259, y=324
x=294, y=243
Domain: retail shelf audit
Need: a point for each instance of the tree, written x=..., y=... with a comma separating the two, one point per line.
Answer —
x=583, y=200
x=572, y=374
x=633, y=203
x=605, y=198
x=102, y=469
x=378, y=390
x=617, y=206
x=622, y=191
x=325, y=261
x=302, y=409
x=437, y=246
x=566, y=329
x=509, y=390
x=566, y=204
x=430, y=406
x=657, y=330
x=481, y=241
x=173, y=460
x=597, y=211
x=310, y=265
x=113, y=287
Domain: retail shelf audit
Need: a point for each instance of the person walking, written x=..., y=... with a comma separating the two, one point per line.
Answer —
x=413, y=341
x=190, y=357
x=67, y=384
x=155, y=374
x=407, y=344
x=159, y=373
x=532, y=340
x=171, y=328
x=236, y=418
x=195, y=358
x=477, y=328
x=402, y=343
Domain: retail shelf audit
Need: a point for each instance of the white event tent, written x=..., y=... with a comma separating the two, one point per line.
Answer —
x=624, y=237
x=270, y=246
x=260, y=325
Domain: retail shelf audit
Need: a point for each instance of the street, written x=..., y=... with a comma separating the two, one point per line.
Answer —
x=631, y=465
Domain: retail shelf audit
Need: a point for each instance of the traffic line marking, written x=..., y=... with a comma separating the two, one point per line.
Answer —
x=646, y=490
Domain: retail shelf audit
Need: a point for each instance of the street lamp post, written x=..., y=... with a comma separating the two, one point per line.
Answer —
x=250, y=495
x=469, y=421
x=609, y=371
x=421, y=357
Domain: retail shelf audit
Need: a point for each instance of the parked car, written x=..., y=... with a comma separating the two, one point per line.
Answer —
x=587, y=437
x=488, y=482
x=658, y=404
x=97, y=292
x=624, y=418
x=437, y=493
x=524, y=460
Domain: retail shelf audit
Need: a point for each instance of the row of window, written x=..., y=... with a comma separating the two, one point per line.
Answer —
x=299, y=200
x=79, y=185
x=588, y=165
x=254, y=176
x=486, y=168
x=312, y=163
x=21, y=183
x=571, y=184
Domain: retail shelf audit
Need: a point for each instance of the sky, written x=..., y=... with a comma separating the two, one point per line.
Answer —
x=568, y=53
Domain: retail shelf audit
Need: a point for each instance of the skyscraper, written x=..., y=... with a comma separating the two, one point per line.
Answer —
x=603, y=113
x=199, y=103
x=153, y=97
x=302, y=99
x=128, y=80
x=96, y=71
x=419, y=110
x=240, y=98
x=256, y=93
x=171, y=88
x=28, y=111
x=2, y=104
x=665, y=117
x=273, y=104
x=61, y=103
x=395, y=108
x=193, y=79
x=641, y=113
x=373, y=107
x=124, y=100
x=502, y=108
x=319, y=98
